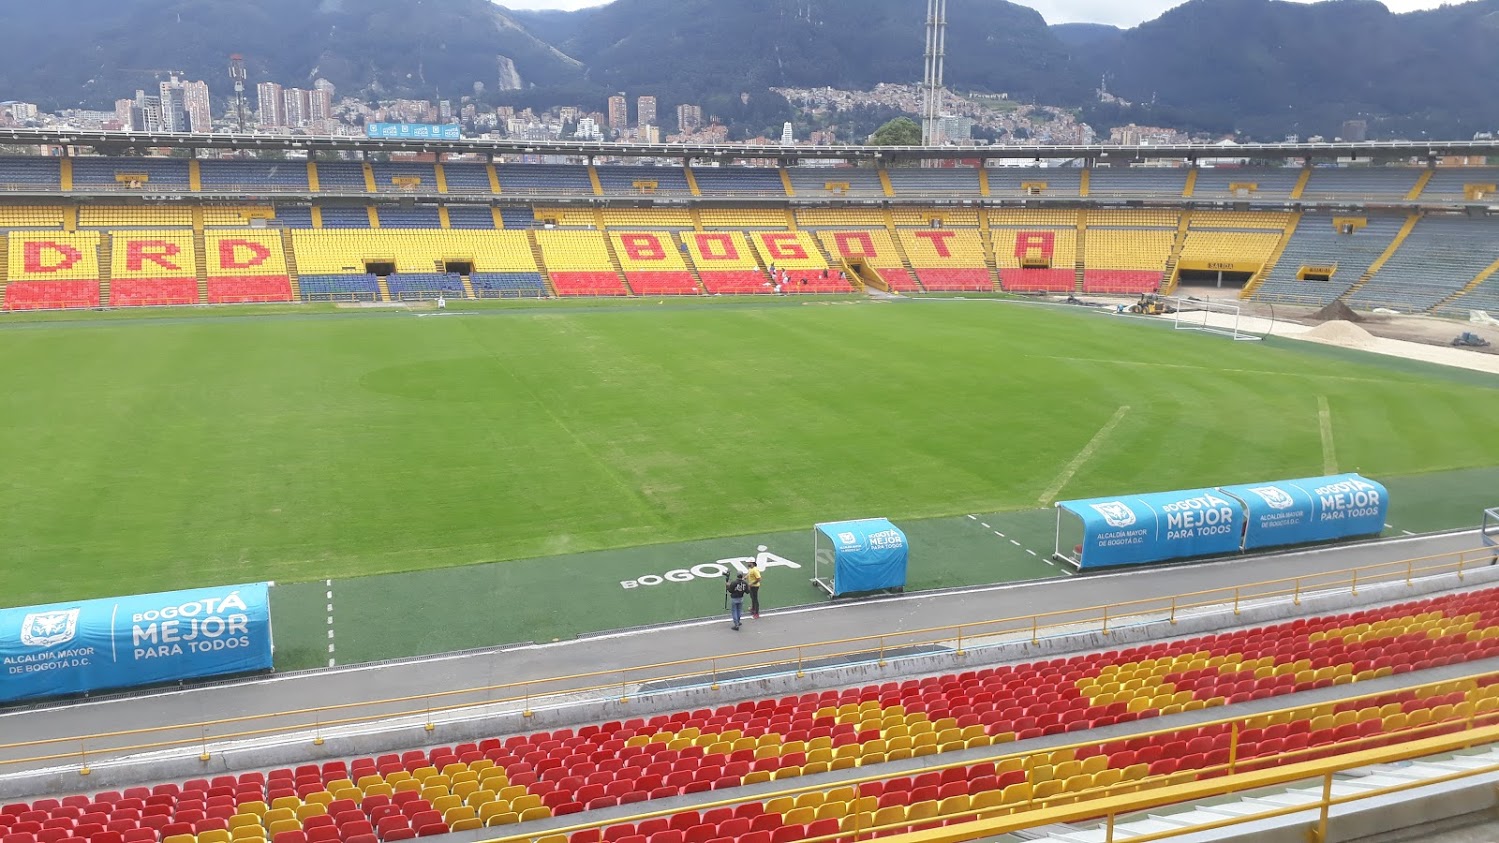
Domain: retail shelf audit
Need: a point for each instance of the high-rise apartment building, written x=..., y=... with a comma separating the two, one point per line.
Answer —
x=199, y=107
x=689, y=117
x=619, y=112
x=645, y=111
x=272, y=104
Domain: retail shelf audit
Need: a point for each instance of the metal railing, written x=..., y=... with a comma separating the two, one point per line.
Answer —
x=712, y=671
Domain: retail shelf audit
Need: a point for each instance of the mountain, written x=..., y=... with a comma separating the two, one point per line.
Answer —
x=1262, y=68
x=90, y=52
x=1265, y=67
x=1085, y=34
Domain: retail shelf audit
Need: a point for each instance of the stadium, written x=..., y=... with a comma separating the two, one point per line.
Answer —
x=492, y=535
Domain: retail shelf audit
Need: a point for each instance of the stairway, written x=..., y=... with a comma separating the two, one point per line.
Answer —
x=676, y=239
x=291, y=264
x=1280, y=249
x=384, y=288
x=900, y=249
x=106, y=255
x=1082, y=248
x=619, y=268
x=991, y=262
x=1168, y=273
x=541, y=265
x=200, y=262
x=1389, y=252
x=1484, y=275
x=4, y=267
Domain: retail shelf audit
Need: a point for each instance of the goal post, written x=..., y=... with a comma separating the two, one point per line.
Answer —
x=1491, y=531
x=1212, y=317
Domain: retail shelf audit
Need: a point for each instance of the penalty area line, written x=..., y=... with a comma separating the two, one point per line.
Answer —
x=1072, y=468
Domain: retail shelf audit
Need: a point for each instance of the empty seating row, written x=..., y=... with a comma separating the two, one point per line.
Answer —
x=1327, y=255
x=1441, y=255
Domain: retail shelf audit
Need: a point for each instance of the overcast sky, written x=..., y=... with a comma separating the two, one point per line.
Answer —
x=1118, y=12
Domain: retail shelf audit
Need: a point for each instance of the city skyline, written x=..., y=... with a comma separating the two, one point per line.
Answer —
x=1054, y=11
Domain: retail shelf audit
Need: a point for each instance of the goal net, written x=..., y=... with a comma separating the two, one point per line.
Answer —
x=1213, y=317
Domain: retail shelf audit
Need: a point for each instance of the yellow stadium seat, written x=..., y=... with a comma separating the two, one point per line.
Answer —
x=282, y=826
x=446, y=802
x=801, y=816
x=247, y=833
x=279, y=814
x=893, y=815
x=533, y=814
x=756, y=776
x=135, y=216
x=214, y=835
x=311, y=809
x=492, y=810
x=179, y=838
x=832, y=810
x=789, y=250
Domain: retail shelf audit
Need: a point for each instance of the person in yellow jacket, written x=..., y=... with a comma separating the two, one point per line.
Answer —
x=752, y=576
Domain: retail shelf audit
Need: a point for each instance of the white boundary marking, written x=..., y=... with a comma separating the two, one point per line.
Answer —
x=1329, y=449
x=1082, y=457
x=706, y=622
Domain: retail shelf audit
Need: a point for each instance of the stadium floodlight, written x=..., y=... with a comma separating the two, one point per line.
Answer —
x=1211, y=317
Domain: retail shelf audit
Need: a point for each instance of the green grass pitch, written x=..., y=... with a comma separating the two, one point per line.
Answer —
x=151, y=454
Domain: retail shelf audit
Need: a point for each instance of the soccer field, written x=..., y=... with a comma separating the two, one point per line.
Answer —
x=151, y=454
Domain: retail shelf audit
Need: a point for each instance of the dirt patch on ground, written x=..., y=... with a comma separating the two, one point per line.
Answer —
x=1337, y=311
x=1427, y=330
x=1338, y=332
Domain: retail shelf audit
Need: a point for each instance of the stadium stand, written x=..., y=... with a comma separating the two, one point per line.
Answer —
x=253, y=177
x=906, y=216
x=220, y=216
x=53, y=270
x=34, y=173
x=467, y=178
x=341, y=177
x=29, y=216
x=294, y=216
x=477, y=218
x=392, y=216
x=1126, y=251
x=1246, y=183
x=1136, y=182
x=940, y=182
x=1036, y=251
x=517, y=218
x=1380, y=184
x=352, y=252
x=663, y=218
x=725, y=262
x=404, y=177
x=246, y=267
x=653, y=264
x=947, y=259
x=543, y=180
x=1051, y=182
x=501, y=782
x=832, y=182
x=346, y=217
x=742, y=218
x=143, y=174
x=134, y=216
x=797, y=254
x=738, y=181
x=506, y=285
x=1321, y=243
x=153, y=268
x=363, y=287
x=578, y=263
x=1437, y=260
x=637, y=181
x=408, y=286
x=1461, y=184
x=872, y=247
x=840, y=218
x=581, y=217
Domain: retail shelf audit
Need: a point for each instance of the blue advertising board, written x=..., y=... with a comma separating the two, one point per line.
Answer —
x=413, y=131
x=92, y=645
x=1136, y=529
x=868, y=555
x=1311, y=509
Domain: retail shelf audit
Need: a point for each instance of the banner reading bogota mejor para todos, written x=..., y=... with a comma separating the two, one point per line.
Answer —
x=92, y=645
x=1136, y=529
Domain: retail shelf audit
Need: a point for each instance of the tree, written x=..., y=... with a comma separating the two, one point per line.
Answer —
x=902, y=131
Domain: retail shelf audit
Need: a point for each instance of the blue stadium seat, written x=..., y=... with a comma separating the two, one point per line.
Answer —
x=521, y=218
x=340, y=177
x=294, y=216
x=544, y=179
x=467, y=178
x=169, y=174
x=346, y=218
x=339, y=288
x=668, y=180
x=393, y=217
x=424, y=285
x=32, y=171
x=738, y=181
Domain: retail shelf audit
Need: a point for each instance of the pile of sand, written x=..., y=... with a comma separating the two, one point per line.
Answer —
x=1336, y=311
x=1340, y=332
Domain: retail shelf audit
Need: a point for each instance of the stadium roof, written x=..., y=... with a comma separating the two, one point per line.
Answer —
x=118, y=141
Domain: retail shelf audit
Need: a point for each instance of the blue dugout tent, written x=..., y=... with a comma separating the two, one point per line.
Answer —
x=853, y=557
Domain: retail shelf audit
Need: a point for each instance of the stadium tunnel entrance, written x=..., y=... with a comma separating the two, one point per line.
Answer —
x=1214, y=279
x=380, y=269
x=456, y=267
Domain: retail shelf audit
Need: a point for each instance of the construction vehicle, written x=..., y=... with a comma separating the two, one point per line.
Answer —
x=1468, y=339
x=1151, y=304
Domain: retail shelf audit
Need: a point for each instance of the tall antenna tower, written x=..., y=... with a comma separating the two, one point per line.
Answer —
x=936, y=51
x=237, y=76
